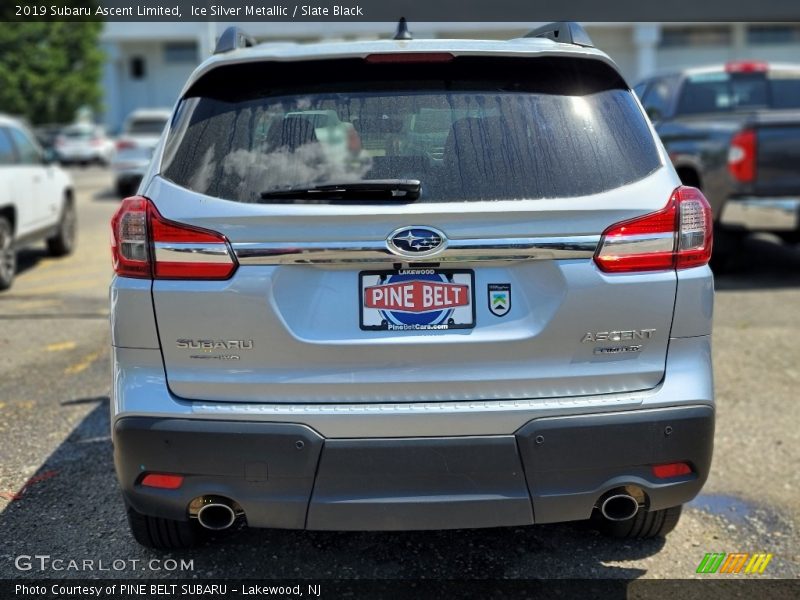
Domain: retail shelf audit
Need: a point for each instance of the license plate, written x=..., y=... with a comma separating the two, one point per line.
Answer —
x=417, y=300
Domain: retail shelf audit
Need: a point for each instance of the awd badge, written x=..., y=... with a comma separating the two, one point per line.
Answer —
x=499, y=298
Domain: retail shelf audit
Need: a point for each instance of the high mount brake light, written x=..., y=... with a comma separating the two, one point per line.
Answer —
x=144, y=245
x=746, y=66
x=409, y=57
x=678, y=236
x=742, y=156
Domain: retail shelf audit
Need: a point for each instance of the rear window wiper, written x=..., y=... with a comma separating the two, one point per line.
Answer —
x=399, y=190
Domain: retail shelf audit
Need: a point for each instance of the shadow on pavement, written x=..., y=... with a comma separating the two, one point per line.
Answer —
x=28, y=258
x=73, y=510
x=106, y=194
x=761, y=262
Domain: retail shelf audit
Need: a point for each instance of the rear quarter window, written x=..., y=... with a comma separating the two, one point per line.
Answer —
x=470, y=129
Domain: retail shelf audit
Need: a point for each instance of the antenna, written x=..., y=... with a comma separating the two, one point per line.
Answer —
x=402, y=30
x=566, y=32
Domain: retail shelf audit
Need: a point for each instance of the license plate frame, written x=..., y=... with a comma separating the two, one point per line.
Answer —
x=460, y=317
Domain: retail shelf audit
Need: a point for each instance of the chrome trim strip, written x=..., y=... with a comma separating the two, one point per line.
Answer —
x=762, y=214
x=191, y=252
x=376, y=251
x=638, y=244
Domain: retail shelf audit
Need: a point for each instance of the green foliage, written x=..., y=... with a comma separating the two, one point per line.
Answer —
x=49, y=70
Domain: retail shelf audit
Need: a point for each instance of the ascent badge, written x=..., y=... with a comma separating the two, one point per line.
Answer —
x=499, y=298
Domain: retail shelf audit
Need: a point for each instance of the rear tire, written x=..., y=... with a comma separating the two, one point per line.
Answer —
x=8, y=254
x=63, y=242
x=645, y=524
x=164, y=534
x=727, y=243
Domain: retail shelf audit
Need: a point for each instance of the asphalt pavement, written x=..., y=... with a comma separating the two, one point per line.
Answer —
x=59, y=497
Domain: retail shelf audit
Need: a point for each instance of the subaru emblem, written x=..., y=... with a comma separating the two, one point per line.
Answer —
x=416, y=242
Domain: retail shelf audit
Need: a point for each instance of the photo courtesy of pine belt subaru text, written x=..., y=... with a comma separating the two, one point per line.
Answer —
x=406, y=285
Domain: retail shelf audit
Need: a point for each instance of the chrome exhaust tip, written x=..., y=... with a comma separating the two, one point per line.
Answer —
x=216, y=516
x=619, y=507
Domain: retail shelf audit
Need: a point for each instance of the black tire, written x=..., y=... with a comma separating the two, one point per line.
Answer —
x=164, y=534
x=63, y=242
x=645, y=524
x=727, y=244
x=8, y=254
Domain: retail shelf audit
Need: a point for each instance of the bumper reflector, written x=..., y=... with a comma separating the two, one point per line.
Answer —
x=671, y=470
x=163, y=481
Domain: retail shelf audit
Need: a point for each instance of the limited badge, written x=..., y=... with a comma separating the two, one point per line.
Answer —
x=499, y=298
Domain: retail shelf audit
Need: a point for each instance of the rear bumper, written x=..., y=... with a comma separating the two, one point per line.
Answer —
x=762, y=214
x=79, y=154
x=286, y=475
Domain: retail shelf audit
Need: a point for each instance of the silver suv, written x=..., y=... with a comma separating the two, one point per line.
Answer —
x=410, y=284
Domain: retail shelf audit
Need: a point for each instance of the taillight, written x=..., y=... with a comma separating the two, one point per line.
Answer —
x=130, y=249
x=125, y=144
x=147, y=246
x=746, y=66
x=742, y=156
x=353, y=142
x=678, y=236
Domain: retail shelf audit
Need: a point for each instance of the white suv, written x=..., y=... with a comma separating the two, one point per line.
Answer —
x=36, y=199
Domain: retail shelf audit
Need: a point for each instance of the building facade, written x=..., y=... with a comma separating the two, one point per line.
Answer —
x=147, y=63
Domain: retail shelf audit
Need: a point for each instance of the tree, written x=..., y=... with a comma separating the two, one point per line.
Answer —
x=49, y=70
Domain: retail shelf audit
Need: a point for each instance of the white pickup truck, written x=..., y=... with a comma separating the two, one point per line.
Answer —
x=36, y=199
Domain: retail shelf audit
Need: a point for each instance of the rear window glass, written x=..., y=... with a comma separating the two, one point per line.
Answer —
x=726, y=92
x=537, y=128
x=79, y=133
x=146, y=126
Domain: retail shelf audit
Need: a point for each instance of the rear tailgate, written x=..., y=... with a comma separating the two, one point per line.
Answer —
x=778, y=153
x=521, y=310
x=291, y=333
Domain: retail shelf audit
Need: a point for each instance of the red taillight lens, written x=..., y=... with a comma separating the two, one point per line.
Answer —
x=742, y=156
x=671, y=470
x=125, y=144
x=695, y=228
x=353, y=142
x=163, y=481
x=678, y=236
x=145, y=245
x=746, y=66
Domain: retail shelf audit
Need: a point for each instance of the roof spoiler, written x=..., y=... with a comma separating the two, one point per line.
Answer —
x=564, y=32
x=233, y=38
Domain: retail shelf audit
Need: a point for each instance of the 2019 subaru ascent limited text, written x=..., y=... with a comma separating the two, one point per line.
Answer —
x=410, y=284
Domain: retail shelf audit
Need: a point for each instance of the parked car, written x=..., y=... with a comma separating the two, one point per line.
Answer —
x=84, y=143
x=513, y=330
x=135, y=147
x=733, y=130
x=46, y=135
x=36, y=199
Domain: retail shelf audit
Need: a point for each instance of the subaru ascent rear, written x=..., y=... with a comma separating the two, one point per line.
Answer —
x=410, y=285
